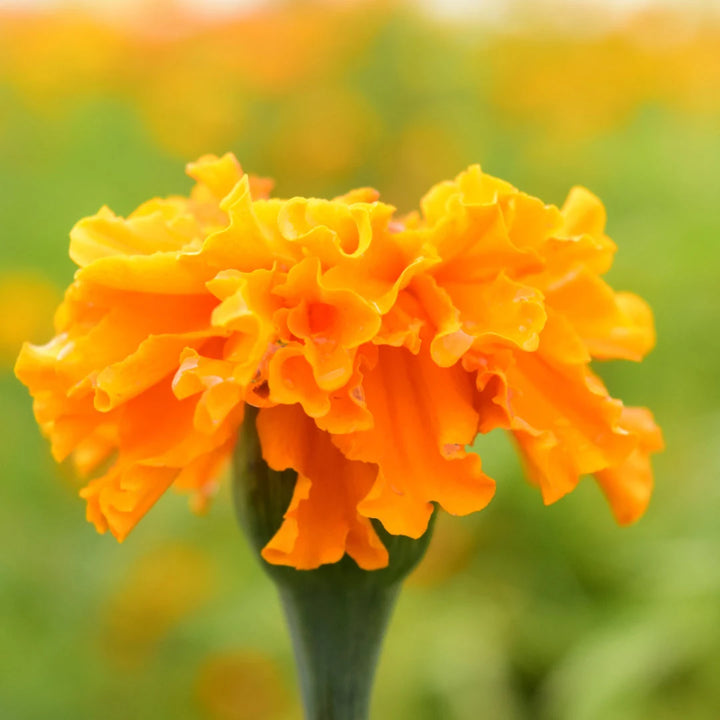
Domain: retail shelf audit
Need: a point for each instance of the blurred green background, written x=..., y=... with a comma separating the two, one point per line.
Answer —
x=521, y=612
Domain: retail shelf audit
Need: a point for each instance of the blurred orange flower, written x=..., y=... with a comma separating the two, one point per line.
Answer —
x=242, y=685
x=375, y=346
x=172, y=62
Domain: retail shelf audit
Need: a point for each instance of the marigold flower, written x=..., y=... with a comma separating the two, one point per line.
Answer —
x=377, y=347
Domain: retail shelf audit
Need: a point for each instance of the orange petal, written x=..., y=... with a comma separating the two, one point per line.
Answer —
x=581, y=243
x=628, y=485
x=247, y=311
x=106, y=235
x=389, y=259
x=218, y=174
x=215, y=381
x=612, y=325
x=243, y=244
x=169, y=273
x=565, y=423
x=530, y=221
x=560, y=341
x=330, y=230
x=151, y=251
x=573, y=402
x=157, y=357
x=332, y=322
x=359, y=195
x=473, y=185
x=348, y=409
x=400, y=512
x=322, y=522
x=158, y=429
x=291, y=380
x=583, y=213
x=118, y=500
x=403, y=323
x=450, y=341
x=68, y=430
x=335, y=314
x=499, y=312
x=110, y=335
x=474, y=243
x=549, y=464
x=423, y=418
x=89, y=453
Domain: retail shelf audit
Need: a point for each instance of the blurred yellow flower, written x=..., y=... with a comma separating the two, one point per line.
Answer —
x=161, y=589
x=52, y=58
x=375, y=346
x=576, y=86
x=27, y=301
x=325, y=131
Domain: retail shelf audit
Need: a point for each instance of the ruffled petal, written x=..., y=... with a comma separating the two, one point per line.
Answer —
x=322, y=522
x=291, y=380
x=246, y=312
x=215, y=381
x=155, y=358
x=628, y=485
x=565, y=423
x=107, y=235
x=423, y=418
x=244, y=242
x=474, y=243
x=118, y=501
x=332, y=322
x=217, y=175
x=612, y=325
x=331, y=231
x=348, y=411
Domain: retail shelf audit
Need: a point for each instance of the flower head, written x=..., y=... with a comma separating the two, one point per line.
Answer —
x=377, y=347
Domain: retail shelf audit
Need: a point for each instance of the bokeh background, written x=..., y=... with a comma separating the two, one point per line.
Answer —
x=521, y=612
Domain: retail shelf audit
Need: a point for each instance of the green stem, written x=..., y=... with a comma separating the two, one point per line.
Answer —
x=337, y=623
x=337, y=614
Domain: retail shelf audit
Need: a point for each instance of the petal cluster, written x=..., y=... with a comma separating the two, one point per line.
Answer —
x=376, y=346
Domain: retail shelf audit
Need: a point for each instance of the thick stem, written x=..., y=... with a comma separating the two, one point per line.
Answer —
x=337, y=613
x=337, y=624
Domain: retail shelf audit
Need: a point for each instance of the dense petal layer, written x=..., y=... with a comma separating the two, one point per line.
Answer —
x=377, y=348
x=331, y=322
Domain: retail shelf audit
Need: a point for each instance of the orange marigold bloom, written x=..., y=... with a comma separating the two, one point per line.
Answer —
x=376, y=348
